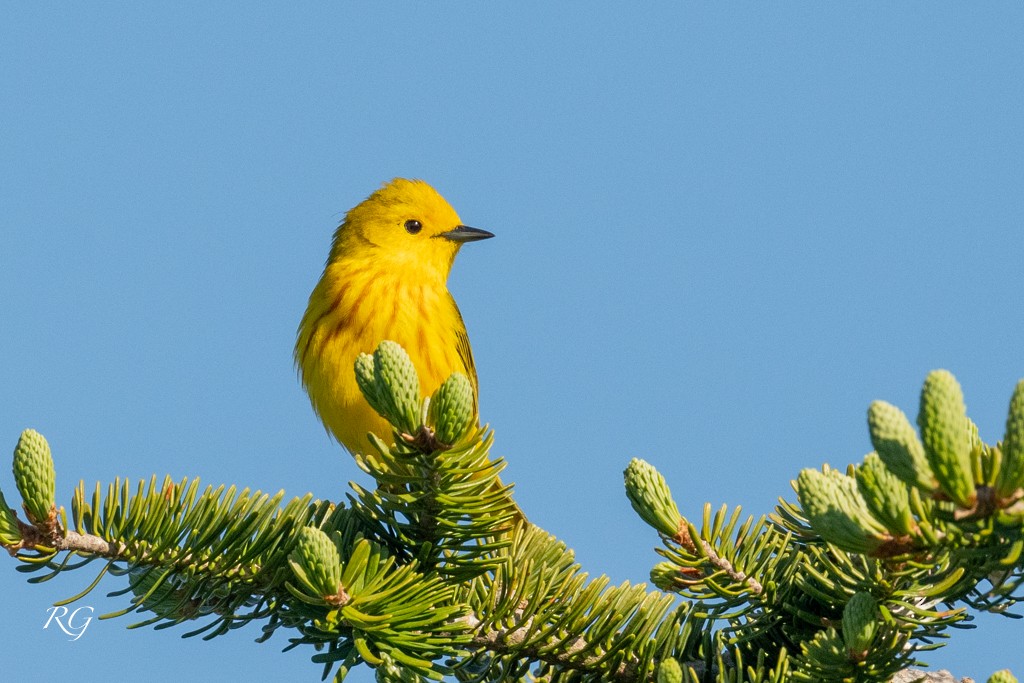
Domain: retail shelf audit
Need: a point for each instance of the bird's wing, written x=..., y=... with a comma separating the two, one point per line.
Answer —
x=465, y=352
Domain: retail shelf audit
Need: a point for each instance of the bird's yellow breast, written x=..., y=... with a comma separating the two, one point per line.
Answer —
x=353, y=308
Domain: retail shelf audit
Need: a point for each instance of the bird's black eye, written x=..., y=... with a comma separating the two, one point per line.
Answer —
x=413, y=226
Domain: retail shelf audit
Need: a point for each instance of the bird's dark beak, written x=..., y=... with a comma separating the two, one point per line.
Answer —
x=464, y=233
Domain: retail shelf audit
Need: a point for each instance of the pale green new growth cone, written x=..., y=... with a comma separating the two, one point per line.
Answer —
x=1011, y=473
x=895, y=440
x=316, y=563
x=398, y=385
x=837, y=511
x=367, y=381
x=451, y=409
x=650, y=497
x=946, y=435
x=1002, y=676
x=34, y=475
x=886, y=495
x=860, y=622
x=669, y=671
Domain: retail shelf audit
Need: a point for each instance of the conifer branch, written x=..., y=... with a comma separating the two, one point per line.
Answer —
x=514, y=641
x=433, y=572
x=94, y=545
x=685, y=539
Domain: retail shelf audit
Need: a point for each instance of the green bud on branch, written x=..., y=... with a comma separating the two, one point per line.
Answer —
x=451, y=409
x=1011, y=474
x=886, y=496
x=946, y=436
x=1002, y=676
x=669, y=671
x=367, y=381
x=317, y=565
x=895, y=440
x=860, y=624
x=650, y=497
x=35, y=476
x=836, y=511
x=398, y=386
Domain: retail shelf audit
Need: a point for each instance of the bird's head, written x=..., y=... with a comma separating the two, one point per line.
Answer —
x=405, y=224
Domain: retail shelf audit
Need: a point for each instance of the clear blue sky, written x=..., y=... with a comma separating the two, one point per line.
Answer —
x=721, y=232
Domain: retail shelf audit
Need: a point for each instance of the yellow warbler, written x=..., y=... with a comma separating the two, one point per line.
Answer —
x=385, y=279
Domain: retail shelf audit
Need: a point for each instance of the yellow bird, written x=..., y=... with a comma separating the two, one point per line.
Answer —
x=386, y=278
